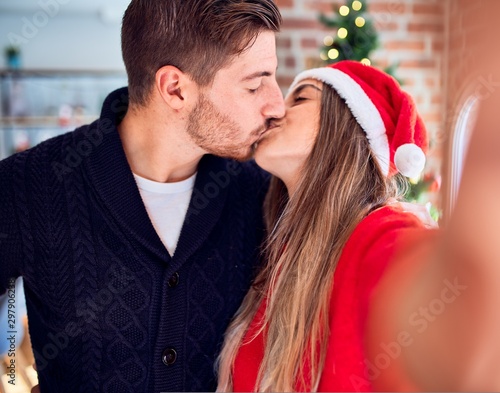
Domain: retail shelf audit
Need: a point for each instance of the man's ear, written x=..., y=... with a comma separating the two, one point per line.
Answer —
x=174, y=86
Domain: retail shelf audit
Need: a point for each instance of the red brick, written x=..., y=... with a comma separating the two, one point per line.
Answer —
x=438, y=46
x=430, y=82
x=314, y=62
x=325, y=8
x=419, y=100
x=381, y=63
x=284, y=42
x=398, y=6
x=309, y=43
x=420, y=63
x=390, y=7
x=433, y=117
x=295, y=23
x=414, y=27
x=285, y=3
x=428, y=9
x=284, y=81
x=437, y=100
x=386, y=26
x=408, y=82
x=290, y=62
x=405, y=45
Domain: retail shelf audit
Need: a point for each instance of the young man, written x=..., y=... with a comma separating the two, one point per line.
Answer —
x=135, y=241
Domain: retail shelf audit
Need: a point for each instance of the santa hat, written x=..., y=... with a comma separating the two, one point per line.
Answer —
x=395, y=131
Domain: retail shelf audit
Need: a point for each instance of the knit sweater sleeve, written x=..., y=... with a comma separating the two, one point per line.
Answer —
x=10, y=236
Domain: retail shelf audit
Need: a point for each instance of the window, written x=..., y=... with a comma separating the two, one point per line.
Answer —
x=461, y=138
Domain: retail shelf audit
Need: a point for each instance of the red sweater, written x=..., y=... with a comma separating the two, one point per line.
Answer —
x=366, y=256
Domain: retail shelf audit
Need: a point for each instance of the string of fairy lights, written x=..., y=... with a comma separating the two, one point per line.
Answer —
x=331, y=53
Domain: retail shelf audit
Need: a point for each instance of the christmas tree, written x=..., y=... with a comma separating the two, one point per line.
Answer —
x=356, y=36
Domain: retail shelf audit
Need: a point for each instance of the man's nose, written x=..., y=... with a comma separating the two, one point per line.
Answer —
x=275, y=105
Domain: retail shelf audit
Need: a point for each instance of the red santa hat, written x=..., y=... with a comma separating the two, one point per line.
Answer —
x=387, y=114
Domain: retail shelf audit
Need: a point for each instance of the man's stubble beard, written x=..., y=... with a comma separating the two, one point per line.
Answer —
x=215, y=132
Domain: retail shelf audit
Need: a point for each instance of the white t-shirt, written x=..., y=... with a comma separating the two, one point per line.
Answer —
x=166, y=204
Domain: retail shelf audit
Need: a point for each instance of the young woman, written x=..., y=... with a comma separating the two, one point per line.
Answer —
x=348, y=130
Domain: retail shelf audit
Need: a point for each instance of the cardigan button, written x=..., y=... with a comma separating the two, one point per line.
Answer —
x=169, y=356
x=174, y=280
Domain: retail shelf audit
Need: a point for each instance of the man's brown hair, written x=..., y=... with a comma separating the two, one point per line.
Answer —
x=197, y=36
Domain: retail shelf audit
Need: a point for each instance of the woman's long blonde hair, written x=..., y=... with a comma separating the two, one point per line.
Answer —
x=341, y=184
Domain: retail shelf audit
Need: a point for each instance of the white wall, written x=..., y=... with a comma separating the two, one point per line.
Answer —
x=63, y=34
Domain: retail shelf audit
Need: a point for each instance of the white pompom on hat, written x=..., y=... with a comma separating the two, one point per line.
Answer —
x=387, y=114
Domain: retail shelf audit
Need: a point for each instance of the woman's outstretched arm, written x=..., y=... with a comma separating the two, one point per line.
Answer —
x=435, y=319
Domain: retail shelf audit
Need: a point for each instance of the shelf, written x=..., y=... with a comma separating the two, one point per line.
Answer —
x=62, y=72
x=36, y=103
x=44, y=121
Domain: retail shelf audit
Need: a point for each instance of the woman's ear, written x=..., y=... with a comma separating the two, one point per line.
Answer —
x=174, y=86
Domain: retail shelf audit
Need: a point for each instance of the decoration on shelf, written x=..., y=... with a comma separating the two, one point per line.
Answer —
x=13, y=57
x=21, y=141
x=355, y=38
x=65, y=115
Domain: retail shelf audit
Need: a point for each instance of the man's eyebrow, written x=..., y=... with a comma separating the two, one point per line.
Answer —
x=258, y=74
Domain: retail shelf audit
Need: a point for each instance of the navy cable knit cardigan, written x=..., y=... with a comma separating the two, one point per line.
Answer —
x=109, y=309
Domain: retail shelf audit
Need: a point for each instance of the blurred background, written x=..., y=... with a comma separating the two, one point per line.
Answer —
x=60, y=58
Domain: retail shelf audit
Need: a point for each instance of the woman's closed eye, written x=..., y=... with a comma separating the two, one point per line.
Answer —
x=298, y=99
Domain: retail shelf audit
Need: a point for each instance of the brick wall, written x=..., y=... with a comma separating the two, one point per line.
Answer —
x=411, y=33
x=473, y=61
x=474, y=34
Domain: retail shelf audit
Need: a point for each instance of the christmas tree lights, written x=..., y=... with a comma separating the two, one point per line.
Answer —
x=356, y=36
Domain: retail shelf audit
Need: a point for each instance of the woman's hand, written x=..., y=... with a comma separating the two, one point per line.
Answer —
x=443, y=296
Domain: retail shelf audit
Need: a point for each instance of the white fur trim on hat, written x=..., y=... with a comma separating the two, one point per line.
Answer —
x=361, y=106
x=409, y=160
